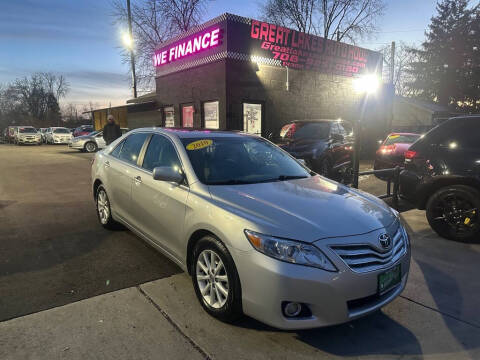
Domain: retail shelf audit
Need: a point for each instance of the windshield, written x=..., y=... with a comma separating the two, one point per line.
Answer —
x=401, y=139
x=310, y=130
x=61, y=131
x=93, y=133
x=27, y=130
x=240, y=160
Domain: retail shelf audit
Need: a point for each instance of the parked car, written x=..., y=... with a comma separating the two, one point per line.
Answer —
x=43, y=132
x=91, y=142
x=442, y=175
x=58, y=135
x=83, y=130
x=11, y=134
x=391, y=152
x=258, y=232
x=325, y=145
x=27, y=135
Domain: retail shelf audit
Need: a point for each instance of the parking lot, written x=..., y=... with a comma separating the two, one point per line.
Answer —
x=70, y=289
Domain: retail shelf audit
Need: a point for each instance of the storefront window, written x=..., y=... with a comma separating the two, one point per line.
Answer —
x=210, y=111
x=252, y=118
x=187, y=115
x=169, y=116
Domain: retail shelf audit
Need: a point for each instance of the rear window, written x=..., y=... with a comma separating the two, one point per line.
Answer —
x=401, y=139
x=320, y=130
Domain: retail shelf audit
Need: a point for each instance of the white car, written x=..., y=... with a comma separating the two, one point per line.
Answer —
x=27, y=135
x=58, y=135
x=91, y=142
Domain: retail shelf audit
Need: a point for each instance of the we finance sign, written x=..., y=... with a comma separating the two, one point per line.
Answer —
x=187, y=47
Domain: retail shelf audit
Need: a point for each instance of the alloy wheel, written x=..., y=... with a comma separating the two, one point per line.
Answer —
x=212, y=279
x=90, y=147
x=456, y=211
x=103, y=207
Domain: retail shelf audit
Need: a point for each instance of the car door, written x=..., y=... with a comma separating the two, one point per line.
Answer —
x=336, y=144
x=160, y=206
x=100, y=140
x=121, y=166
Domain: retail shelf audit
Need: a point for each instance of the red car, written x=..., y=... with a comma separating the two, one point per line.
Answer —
x=391, y=152
x=82, y=130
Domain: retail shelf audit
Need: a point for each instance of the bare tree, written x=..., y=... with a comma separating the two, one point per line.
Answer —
x=342, y=20
x=153, y=22
x=404, y=57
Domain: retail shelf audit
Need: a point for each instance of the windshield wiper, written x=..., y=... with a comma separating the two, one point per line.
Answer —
x=230, y=182
x=283, y=178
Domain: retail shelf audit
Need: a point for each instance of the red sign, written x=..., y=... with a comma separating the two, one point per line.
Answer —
x=188, y=47
x=299, y=50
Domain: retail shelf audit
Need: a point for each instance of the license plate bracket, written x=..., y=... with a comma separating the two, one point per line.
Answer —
x=389, y=279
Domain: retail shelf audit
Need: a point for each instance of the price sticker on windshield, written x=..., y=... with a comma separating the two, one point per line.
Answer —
x=199, y=144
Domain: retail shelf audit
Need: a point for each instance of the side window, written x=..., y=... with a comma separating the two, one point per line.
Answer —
x=131, y=147
x=461, y=133
x=341, y=130
x=334, y=129
x=160, y=152
x=348, y=128
x=117, y=149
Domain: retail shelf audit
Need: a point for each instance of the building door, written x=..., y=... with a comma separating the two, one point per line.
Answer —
x=187, y=115
x=252, y=118
x=169, y=114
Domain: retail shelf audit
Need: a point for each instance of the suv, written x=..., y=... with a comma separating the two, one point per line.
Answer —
x=442, y=175
x=325, y=145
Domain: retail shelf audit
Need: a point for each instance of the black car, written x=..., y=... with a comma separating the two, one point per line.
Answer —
x=442, y=175
x=325, y=145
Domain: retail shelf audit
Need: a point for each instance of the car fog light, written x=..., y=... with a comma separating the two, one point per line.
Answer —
x=292, y=309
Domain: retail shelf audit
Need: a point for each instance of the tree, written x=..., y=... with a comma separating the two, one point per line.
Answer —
x=153, y=22
x=342, y=20
x=448, y=66
x=33, y=100
x=404, y=57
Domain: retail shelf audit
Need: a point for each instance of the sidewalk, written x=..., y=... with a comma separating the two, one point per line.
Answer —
x=437, y=317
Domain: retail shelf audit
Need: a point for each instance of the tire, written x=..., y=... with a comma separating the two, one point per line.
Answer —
x=90, y=147
x=225, y=308
x=324, y=168
x=453, y=213
x=105, y=216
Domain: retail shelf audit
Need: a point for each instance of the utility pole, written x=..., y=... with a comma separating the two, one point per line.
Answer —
x=392, y=63
x=391, y=87
x=132, y=57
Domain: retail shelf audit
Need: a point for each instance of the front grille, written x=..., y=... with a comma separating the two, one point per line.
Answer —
x=365, y=257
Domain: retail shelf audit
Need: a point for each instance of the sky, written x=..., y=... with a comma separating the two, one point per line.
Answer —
x=77, y=38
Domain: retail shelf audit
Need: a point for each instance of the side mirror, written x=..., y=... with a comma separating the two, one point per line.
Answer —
x=167, y=173
x=301, y=162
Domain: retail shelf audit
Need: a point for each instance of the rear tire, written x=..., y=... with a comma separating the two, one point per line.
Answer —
x=90, y=147
x=220, y=284
x=453, y=213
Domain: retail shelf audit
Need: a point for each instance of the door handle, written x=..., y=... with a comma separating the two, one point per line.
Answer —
x=107, y=164
x=138, y=179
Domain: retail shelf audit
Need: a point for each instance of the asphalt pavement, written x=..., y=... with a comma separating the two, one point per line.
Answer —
x=53, y=251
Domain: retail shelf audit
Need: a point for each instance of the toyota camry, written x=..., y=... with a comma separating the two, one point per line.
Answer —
x=259, y=233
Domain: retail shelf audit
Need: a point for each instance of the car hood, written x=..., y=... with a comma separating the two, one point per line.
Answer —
x=84, y=137
x=305, y=209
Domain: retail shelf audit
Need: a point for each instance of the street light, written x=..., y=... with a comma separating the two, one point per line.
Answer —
x=364, y=85
x=127, y=40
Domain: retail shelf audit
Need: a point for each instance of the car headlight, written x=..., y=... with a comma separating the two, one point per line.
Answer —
x=294, y=252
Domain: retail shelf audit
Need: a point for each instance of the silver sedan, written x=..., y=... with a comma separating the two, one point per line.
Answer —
x=259, y=233
x=91, y=142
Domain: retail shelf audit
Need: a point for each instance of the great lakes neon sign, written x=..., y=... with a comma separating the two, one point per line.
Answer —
x=188, y=47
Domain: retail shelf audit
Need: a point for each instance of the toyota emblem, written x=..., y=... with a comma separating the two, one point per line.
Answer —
x=385, y=241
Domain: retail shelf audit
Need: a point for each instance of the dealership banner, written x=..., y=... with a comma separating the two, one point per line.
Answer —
x=239, y=38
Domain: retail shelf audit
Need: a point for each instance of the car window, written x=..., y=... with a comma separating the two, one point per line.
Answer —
x=347, y=127
x=314, y=130
x=461, y=133
x=116, y=151
x=61, y=131
x=160, y=152
x=334, y=130
x=401, y=139
x=131, y=147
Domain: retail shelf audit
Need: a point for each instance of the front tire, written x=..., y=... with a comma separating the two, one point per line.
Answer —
x=215, y=280
x=453, y=213
x=104, y=212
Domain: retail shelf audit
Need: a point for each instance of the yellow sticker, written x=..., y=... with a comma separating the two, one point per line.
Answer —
x=467, y=221
x=393, y=136
x=199, y=144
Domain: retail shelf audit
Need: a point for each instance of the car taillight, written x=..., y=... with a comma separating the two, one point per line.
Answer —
x=410, y=154
x=386, y=149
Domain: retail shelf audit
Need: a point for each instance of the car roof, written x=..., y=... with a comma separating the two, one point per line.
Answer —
x=404, y=133
x=184, y=133
x=315, y=120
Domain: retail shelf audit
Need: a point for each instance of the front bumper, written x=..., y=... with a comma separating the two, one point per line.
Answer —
x=29, y=141
x=61, y=141
x=332, y=297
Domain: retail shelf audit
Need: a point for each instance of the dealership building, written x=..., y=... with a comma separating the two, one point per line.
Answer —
x=237, y=73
